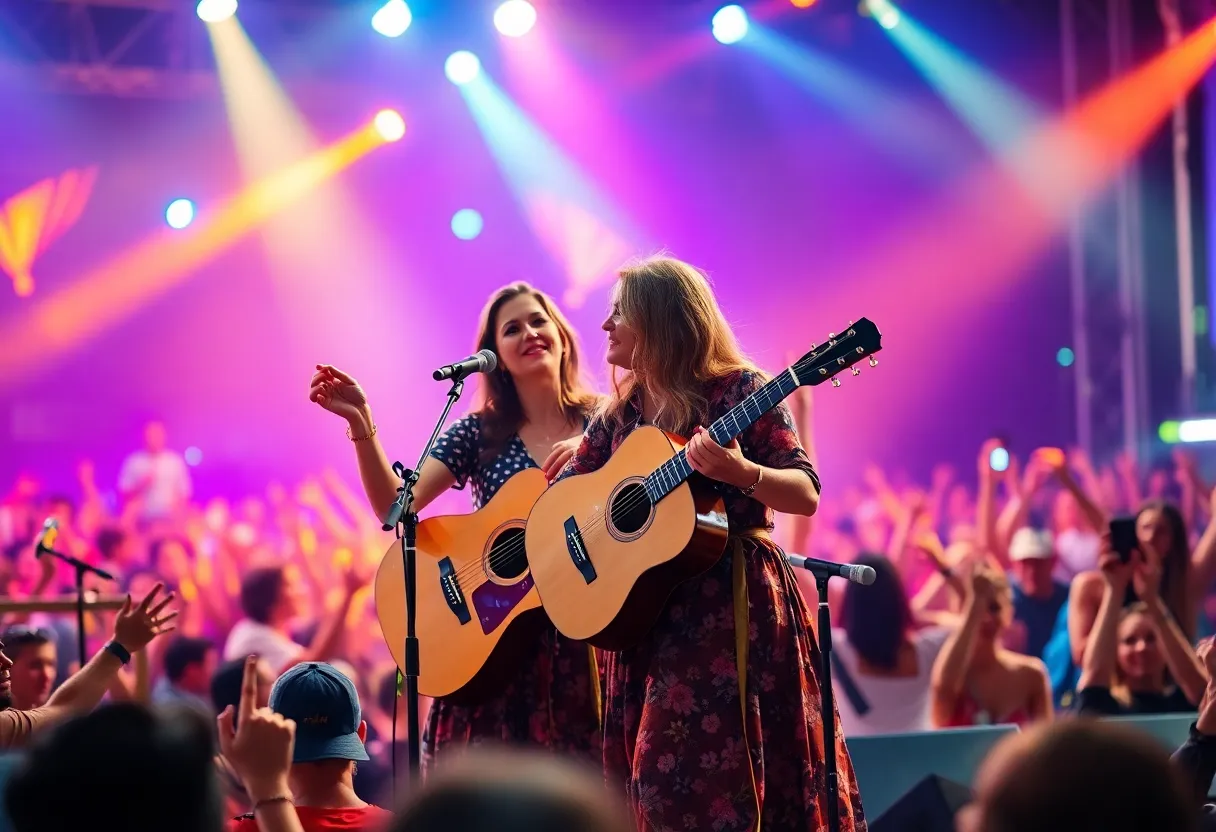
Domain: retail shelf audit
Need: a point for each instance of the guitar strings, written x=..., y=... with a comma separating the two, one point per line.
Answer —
x=475, y=573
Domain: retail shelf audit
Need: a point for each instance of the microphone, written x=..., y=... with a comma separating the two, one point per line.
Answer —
x=46, y=540
x=854, y=572
x=484, y=362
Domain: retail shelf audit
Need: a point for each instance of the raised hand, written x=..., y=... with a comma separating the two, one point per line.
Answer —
x=562, y=453
x=338, y=393
x=136, y=625
x=260, y=747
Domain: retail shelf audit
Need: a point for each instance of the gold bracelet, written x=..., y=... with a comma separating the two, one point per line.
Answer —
x=278, y=798
x=747, y=492
x=354, y=438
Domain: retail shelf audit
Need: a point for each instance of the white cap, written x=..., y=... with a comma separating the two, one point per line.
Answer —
x=1031, y=544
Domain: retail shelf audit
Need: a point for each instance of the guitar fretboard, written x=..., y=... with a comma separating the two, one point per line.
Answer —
x=664, y=479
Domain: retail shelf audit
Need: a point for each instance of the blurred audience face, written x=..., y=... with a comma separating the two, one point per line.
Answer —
x=155, y=437
x=33, y=673
x=1138, y=651
x=1153, y=529
x=1034, y=575
x=998, y=615
x=197, y=676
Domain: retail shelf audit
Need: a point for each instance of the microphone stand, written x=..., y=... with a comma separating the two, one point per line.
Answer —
x=401, y=517
x=828, y=702
x=82, y=569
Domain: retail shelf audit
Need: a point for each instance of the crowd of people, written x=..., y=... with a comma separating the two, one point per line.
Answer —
x=1000, y=598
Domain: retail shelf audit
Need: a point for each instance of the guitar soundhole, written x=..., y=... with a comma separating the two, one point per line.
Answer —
x=630, y=509
x=507, y=558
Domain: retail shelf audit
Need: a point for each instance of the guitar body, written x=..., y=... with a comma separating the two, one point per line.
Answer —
x=476, y=604
x=604, y=559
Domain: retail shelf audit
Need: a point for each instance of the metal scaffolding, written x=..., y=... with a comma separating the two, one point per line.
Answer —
x=123, y=48
x=1105, y=251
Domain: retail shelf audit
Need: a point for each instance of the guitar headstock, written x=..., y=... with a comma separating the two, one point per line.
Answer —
x=860, y=340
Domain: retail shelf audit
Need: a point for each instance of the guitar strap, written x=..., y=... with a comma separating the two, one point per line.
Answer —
x=597, y=686
x=742, y=633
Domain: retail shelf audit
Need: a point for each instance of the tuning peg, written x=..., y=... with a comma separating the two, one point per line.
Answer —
x=873, y=361
x=831, y=335
x=856, y=371
x=835, y=382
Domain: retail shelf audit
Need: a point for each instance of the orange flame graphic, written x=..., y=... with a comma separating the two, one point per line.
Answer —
x=34, y=218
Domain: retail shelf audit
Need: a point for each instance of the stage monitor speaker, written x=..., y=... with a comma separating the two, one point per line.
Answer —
x=929, y=806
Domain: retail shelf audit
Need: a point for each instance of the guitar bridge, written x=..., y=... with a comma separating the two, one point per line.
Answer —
x=578, y=551
x=449, y=584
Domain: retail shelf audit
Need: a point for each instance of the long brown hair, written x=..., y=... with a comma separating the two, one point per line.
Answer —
x=683, y=341
x=501, y=412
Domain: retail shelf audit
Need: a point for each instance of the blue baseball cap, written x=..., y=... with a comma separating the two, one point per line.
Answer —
x=324, y=705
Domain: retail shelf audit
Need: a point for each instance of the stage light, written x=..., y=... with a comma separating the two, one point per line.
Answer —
x=467, y=224
x=515, y=18
x=803, y=4
x=1065, y=357
x=884, y=14
x=213, y=11
x=390, y=125
x=1187, y=431
x=730, y=24
x=392, y=19
x=180, y=213
x=193, y=456
x=461, y=67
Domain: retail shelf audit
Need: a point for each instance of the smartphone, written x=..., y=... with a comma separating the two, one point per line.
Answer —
x=1123, y=537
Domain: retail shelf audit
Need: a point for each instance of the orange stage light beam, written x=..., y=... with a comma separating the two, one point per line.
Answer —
x=114, y=290
x=992, y=227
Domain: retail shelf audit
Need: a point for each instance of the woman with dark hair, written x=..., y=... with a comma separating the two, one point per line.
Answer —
x=532, y=413
x=882, y=664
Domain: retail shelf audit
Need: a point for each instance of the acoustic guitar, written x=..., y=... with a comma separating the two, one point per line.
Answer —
x=476, y=604
x=607, y=548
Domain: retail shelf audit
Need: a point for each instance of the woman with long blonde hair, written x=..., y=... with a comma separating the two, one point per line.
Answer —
x=532, y=413
x=713, y=721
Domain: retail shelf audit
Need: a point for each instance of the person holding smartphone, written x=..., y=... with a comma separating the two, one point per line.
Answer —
x=1137, y=659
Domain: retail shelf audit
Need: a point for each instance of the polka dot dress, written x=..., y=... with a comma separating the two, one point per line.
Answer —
x=459, y=449
x=551, y=702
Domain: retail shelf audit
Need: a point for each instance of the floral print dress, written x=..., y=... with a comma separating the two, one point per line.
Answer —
x=553, y=701
x=678, y=741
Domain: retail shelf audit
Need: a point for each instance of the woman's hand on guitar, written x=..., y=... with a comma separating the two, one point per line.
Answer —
x=722, y=463
x=562, y=453
x=338, y=393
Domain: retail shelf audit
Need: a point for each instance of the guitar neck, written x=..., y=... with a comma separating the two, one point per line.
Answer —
x=668, y=476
